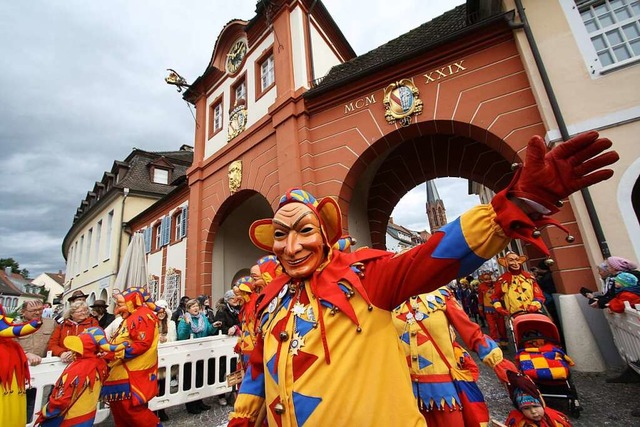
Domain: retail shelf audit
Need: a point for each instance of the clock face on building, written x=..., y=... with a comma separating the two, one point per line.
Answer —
x=236, y=55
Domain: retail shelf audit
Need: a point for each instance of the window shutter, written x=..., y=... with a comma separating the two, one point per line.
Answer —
x=185, y=215
x=147, y=239
x=166, y=230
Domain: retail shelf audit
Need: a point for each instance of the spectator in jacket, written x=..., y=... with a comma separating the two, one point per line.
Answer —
x=205, y=305
x=626, y=289
x=99, y=311
x=180, y=310
x=166, y=333
x=76, y=320
x=607, y=271
x=194, y=324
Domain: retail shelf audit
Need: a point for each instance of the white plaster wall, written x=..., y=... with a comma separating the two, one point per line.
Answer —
x=255, y=110
x=299, y=49
x=154, y=264
x=177, y=255
x=323, y=56
x=580, y=342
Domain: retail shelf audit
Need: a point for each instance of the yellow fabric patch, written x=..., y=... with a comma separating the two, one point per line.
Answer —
x=478, y=223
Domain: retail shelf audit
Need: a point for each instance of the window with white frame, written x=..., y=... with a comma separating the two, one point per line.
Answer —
x=108, y=236
x=154, y=287
x=158, y=233
x=613, y=26
x=241, y=91
x=82, y=255
x=172, y=288
x=98, y=242
x=267, y=76
x=160, y=176
x=179, y=225
x=90, y=248
x=217, y=117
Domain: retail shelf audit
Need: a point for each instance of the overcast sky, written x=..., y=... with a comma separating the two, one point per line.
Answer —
x=83, y=83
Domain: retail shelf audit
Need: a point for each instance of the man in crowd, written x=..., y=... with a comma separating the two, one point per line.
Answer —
x=99, y=311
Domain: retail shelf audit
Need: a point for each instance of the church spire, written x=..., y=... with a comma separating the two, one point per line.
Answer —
x=436, y=212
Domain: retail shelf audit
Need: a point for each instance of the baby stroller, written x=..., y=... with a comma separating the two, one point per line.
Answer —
x=539, y=355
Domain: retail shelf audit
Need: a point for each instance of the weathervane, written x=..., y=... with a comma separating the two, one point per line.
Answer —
x=176, y=79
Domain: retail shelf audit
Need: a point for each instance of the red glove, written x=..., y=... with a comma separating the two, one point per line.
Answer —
x=501, y=311
x=548, y=177
x=501, y=370
x=532, y=309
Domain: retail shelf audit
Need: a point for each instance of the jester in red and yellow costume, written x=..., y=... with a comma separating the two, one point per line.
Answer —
x=133, y=379
x=495, y=321
x=422, y=323
x=516, y=289
x=14, y=370
x=247, y=315
x=327, y=352
x=74, y=398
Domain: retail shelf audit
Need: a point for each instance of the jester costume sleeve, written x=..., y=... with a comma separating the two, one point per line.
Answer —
x=328, y=353
x=14, y=370
x=75, y=395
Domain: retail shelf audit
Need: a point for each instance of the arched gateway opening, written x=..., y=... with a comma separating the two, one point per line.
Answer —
x=409, y=162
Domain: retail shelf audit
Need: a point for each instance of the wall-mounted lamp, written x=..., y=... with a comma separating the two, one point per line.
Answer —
x=176, y=79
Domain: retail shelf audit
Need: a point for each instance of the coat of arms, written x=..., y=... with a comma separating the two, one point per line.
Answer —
x=401, y=102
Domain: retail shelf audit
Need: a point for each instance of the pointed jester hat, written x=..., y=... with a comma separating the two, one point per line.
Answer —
x=269, y=268
x=137, y=297
x=244, y=284
x=89, y=341
x=326, y=210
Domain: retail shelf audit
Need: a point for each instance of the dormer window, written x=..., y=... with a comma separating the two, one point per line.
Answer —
x=160, y=176
x=160, y=171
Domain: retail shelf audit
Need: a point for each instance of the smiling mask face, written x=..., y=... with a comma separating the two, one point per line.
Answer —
x=298, y=241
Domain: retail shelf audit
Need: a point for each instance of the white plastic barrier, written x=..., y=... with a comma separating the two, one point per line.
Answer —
x=625, y=328
x=211, y=358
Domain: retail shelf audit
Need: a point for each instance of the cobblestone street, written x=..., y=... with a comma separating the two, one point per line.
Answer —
x=604, y=404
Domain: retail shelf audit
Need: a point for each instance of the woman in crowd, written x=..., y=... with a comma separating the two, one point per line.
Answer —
x=76, y=320
x=166, y=333
x=194, y=324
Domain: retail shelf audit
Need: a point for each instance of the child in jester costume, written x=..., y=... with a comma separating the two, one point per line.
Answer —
x=14, y=370
x=327, y=352
x=75, y=396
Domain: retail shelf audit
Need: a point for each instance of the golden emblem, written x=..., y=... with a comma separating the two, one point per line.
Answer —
x=401, y=102
x=237, y=121
x=235, y=175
